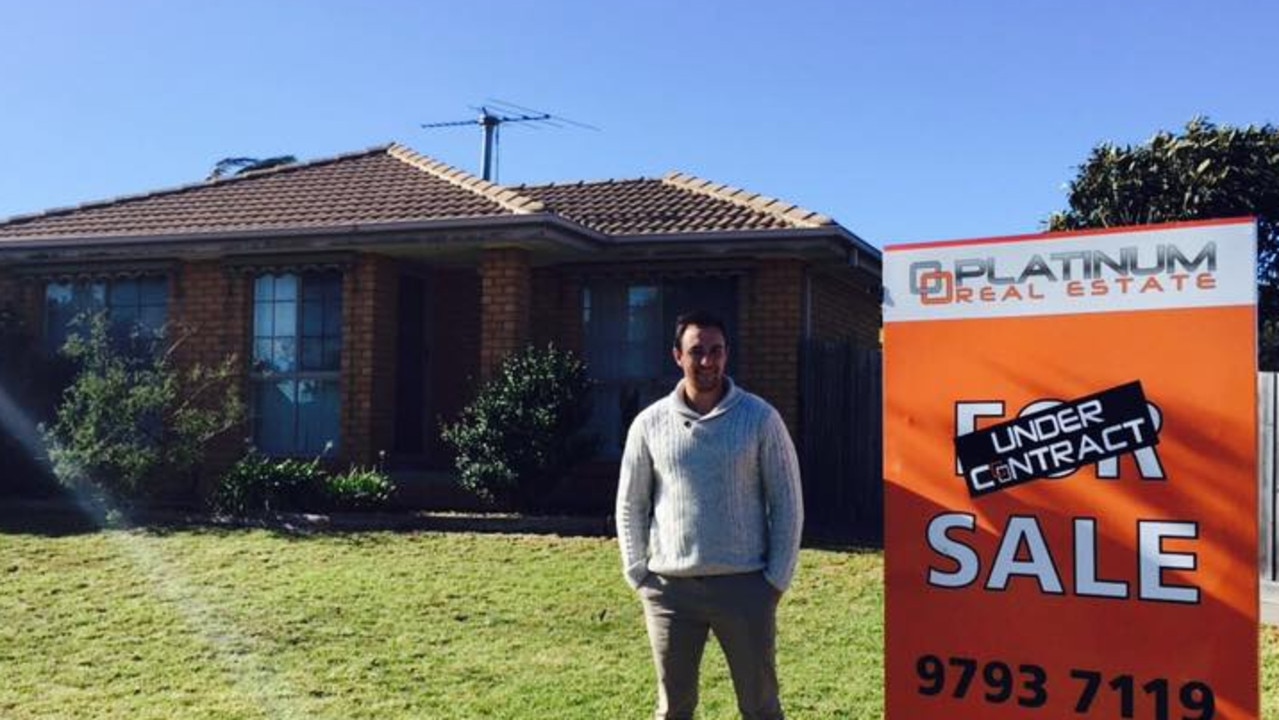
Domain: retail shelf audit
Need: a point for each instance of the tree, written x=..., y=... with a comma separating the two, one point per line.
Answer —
x=244, y=165
x=1206, y=171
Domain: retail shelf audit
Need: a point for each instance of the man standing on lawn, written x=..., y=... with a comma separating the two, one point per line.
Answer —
x=709, y=514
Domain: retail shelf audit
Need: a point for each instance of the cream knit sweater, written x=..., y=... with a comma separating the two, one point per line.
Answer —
x=712, y=494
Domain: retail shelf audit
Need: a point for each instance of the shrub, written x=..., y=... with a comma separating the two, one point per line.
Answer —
x=523, y=430
x=257, y=483
x=131, y=422
x=358, y=488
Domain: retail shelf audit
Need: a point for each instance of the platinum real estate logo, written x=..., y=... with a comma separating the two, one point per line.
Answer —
x=1165, y=268
x=1191, y=265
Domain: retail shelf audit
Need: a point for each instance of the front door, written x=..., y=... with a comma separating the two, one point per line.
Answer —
x=412, y=396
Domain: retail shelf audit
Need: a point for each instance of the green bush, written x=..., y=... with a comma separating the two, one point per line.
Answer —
x=257, y=483
x=132, y=425
x=523, y=430
x=358, y=488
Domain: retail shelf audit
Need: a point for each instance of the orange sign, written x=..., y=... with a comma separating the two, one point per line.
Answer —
x=1070, y=459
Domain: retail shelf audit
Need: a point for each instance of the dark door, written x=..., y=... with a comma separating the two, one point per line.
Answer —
x=412, y=355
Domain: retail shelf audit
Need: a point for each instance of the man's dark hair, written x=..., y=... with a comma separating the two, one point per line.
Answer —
x=700, y=318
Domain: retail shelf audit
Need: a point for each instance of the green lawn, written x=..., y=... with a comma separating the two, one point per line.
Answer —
x=255, y=624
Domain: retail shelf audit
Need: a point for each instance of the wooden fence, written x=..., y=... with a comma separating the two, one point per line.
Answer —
x=841, y=448
x=1267, y=469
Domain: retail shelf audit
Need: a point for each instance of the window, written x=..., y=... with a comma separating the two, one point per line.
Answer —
x=628, y=331
x=297, y=348
x=136, y=309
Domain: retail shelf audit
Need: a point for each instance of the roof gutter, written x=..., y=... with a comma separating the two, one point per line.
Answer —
x=859, y=254
x=586, y=239
x=862, y=255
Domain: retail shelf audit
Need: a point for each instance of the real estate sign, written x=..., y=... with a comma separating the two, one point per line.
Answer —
x=1070, y=460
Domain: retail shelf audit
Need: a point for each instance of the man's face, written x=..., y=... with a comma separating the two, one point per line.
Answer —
x=702, y=355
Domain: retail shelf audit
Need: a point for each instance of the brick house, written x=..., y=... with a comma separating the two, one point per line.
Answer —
x=363, y=292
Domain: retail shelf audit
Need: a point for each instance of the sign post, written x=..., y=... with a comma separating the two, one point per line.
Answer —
x=1070, y=459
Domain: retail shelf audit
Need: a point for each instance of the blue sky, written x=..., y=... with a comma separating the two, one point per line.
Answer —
x=905, y=121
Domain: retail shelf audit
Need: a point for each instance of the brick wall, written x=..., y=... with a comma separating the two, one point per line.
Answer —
x=771, y=327
x=556, y=309
x=209, y=308
x=369, y=313
x=9, y=290
x=505, y=304
x=843, y=311
x=21, y=315
x=25, y=297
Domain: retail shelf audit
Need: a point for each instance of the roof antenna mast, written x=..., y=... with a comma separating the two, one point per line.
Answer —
x=496, y=114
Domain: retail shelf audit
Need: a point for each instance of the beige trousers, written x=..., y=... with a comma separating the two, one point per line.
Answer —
x=742, y=611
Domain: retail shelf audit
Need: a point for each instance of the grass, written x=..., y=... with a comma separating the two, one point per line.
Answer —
x=255, y=624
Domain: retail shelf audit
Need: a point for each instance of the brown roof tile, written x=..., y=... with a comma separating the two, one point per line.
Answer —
x=384, y=184
x=393, y=183
x=507, y=198
x=792, y=214
x=675, y=204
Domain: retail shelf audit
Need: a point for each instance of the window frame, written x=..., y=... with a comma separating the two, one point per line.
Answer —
x=263, y=376
x=102, y=290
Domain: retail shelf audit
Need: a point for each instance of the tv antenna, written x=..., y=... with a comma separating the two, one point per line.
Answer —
x=493, y=116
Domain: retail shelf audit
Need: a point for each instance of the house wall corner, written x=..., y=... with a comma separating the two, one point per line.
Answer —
x=506, y=290
x=370, y=293
x=771, y=330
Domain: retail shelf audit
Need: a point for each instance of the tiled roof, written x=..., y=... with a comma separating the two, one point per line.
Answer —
x=384, y=184
x=677, y=203
x=395, y=184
